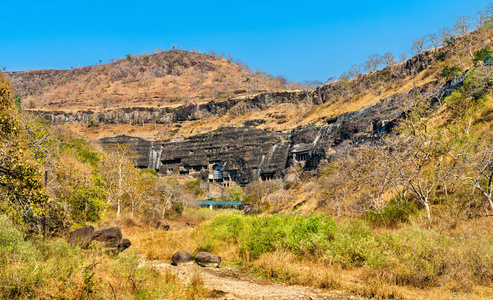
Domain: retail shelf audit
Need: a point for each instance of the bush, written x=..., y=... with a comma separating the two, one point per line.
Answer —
x=257, y=235
x=282, y=245
x=441, y=56
x=392, y=215
x=92, y=124
x=481, y=54
x=451, y=72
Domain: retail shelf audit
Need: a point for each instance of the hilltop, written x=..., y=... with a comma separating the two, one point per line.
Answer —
x=166, y=78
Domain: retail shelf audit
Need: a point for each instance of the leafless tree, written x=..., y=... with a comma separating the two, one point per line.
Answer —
x=403, y=57
x=435, y=39
x=354, y=71
x=462, y=26
x=418, y=172
x=447, y=35
x=476, y=169
x=419, y=45
x=388, y=59
x=373, y=63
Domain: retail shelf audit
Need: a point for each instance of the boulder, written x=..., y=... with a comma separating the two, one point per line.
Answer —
x=181, y=257
x=81, y=236
x=206, y=259
x=123, y=244
x=110, y=236
x=162, y=225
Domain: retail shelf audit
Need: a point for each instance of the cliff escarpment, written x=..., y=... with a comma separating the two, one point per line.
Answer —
x=244, y=154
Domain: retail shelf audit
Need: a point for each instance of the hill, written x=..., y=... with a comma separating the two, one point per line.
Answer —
x=167, y=78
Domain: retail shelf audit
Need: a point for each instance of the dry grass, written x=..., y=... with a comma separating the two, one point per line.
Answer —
x=286, y=267
x=162, y=79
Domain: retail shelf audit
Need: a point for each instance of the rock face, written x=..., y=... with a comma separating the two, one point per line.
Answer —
x=238, y=154
x=231, y=154
x=148, y=152
x=165, y=115
x=81, y=236
x=181, y=257
x=206, y=259
x=110, y=236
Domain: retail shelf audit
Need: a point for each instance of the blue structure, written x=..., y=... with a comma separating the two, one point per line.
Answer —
x=219, y=203
x=488, y=61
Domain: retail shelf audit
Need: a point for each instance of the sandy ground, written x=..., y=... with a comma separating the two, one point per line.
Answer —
x=229, y=283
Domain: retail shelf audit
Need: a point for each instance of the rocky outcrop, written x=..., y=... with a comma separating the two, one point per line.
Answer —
x=166, y=115
x=205, y=259
x=81, y=236
x=181, y=257
x=147, y=152
x=123, y=244
x=110, y=236
x=162, y=225
x=243, y=154
x=229, y=153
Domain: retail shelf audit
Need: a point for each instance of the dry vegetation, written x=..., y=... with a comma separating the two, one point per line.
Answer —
x=167, y=78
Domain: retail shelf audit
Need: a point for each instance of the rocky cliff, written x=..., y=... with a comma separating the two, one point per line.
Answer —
x=166, y=115
x=243, y=154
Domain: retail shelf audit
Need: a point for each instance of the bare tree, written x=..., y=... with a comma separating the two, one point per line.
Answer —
x=462, y=26
x=418, y=172
x=419, y=45
x=388, y=59
x=435, y=39
x=476, y=169
x=373, y=63
x=447, y=36
x=354, y=71
x=403, y=57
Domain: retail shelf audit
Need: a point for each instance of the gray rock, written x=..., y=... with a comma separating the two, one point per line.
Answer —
x=81, y=236
x=123, y=244
x=162, y=225
x=110, y=236
x=181, y=257
x=206, y=259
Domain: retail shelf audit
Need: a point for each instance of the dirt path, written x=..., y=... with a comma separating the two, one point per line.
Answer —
x=232, y=284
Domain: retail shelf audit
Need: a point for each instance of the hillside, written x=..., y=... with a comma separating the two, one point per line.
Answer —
x=171, y=77
x=374, y=186
x=237, y=106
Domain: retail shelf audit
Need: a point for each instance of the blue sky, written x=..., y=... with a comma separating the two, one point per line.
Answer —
x=301, y=40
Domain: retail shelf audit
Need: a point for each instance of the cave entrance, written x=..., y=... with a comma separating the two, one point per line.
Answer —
x=217, y=174
x=302, y=156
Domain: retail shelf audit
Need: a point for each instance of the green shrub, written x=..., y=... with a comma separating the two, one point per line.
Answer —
x=481, y=54
x=193, y=185
x=18, y=102
x=392, y=215
x=451, y=72
x=92, y=124
x=257, y=235
x=441, y=56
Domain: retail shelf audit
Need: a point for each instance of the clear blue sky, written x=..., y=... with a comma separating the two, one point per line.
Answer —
x=301, y=40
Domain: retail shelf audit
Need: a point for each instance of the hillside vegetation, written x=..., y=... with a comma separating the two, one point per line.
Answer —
x=52, y=182
x=166, y=78
x=407, y=214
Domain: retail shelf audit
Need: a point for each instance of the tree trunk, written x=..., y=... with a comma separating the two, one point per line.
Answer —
x=428, y=212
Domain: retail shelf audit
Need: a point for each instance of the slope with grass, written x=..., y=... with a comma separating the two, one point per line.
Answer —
x=161, y=79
